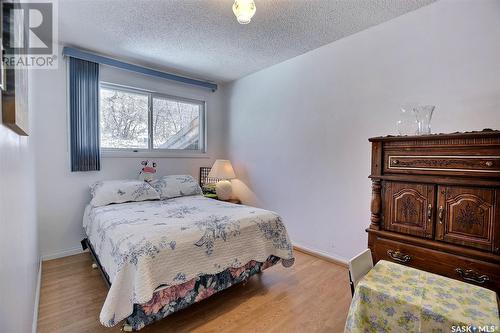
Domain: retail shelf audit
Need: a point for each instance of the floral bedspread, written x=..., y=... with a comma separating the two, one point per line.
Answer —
x=175, y=298
x=145, y=245
x=395, y=298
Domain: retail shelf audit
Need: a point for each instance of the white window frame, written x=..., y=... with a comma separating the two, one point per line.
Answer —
x=150, y=152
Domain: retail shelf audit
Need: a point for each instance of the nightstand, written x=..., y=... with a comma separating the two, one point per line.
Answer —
x=235, y=201
x=214, y=196
x=210, y=195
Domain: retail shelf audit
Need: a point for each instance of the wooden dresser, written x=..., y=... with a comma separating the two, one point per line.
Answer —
x=436, y=204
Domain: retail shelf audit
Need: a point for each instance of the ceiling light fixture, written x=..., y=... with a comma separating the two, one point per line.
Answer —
x=244, y=10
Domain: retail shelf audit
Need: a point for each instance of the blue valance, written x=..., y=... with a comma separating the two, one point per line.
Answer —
x=84, y=115
x=89, y=56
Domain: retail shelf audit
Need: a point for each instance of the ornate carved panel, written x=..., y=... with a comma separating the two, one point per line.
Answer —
x=452, y=163
x=432, y=161
x=410, y=208
x=469, y=216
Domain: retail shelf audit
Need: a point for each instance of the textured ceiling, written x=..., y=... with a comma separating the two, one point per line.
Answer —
x=202, y=39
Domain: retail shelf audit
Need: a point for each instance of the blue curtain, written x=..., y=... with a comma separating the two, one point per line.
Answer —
x=84, y=115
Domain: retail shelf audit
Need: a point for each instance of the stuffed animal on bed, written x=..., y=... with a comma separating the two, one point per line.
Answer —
x=148, y=171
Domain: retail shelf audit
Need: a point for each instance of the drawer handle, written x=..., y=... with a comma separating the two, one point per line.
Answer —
x=471, y=275
x=429, y=212
x=399, y=256
x=440, y=215
x=489, y=164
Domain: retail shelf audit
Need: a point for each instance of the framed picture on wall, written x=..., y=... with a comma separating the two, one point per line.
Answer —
x=2, y=66
x=14, y=80
x=3, y=83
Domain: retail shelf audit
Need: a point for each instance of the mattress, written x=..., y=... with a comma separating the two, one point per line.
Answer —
x=146, y=245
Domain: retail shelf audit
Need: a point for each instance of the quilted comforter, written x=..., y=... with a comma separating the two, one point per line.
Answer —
x=150, y=244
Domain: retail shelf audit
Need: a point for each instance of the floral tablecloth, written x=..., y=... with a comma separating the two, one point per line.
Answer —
x=396, y=298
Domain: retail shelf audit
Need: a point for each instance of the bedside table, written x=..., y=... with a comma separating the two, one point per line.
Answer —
x=214, y=196
x=235, y=201
x=210, y=195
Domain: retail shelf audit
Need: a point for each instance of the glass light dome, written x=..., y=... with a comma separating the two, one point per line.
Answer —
x=244, y=10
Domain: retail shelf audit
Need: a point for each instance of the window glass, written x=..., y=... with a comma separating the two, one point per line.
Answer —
x=124, y=119
x=176, y=124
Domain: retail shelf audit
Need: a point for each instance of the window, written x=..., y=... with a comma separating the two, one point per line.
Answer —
x=135, y=120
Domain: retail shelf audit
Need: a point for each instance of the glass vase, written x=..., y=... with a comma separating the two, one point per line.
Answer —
x=407, y=123
x=423, y=114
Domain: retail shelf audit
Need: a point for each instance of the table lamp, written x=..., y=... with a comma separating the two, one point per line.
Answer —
x=223, y=170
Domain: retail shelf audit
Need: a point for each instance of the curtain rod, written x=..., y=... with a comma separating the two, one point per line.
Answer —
x=84, y=55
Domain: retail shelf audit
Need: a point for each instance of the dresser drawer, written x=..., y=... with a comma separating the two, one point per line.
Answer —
x=467, y=165
x=460, y=268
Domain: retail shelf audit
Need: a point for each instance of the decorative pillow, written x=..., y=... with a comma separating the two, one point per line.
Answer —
x=176, y=186
x=117, y=191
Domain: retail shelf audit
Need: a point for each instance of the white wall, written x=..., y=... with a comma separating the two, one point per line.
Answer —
x=62, y=195
x=19, y=255
x=299, y=130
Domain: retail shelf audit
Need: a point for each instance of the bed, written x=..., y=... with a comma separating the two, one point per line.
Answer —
x=160, y=256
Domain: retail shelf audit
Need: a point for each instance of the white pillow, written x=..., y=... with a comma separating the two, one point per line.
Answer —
x=176, y=186
x=117, y=191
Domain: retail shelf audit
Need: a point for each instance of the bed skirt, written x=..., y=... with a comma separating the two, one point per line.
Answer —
x=172, y=299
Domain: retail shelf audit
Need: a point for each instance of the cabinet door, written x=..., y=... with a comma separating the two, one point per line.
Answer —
x=408, y=208
x=466, y=216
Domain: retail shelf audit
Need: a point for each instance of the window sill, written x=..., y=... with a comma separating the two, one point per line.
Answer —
x=152, y=154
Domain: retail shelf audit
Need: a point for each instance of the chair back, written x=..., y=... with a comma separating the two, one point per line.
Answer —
x=359, y=266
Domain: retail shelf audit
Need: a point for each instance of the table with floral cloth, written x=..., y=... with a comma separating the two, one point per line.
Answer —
x=396, y=298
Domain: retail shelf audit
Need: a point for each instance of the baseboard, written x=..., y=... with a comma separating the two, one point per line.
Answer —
x=322, y=255
x=62, y=254
x=37, y=299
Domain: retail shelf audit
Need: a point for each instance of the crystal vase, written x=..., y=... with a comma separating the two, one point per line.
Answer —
x=423, y=114
x=407, y=123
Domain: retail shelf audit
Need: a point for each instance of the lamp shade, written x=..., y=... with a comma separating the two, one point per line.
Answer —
x=222, y=169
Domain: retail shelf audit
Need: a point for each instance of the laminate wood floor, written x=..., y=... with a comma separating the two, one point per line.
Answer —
x=312, y=296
